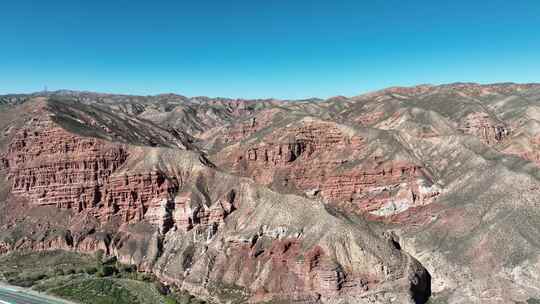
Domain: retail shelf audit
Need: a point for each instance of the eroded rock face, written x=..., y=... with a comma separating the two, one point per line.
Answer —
x=285, y=258
x=53, y=167
x=451, y=169
x=190, y=213
x=321, y=159
x=245, y=129
x=172, y=214
x=485, y=128
x=50, y=166
x=140, y=195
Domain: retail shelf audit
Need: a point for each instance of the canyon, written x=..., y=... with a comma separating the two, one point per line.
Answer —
x=394, y=196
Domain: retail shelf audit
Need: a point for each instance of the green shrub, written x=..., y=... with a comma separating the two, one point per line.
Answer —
x=108, y=270
x=99, y=257
x=128, y=268
x=170, y=300
x=144, y=277
x=96, y=291
x=27, y=281
x=111, y=260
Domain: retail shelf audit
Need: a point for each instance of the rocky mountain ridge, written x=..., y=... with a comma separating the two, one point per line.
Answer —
x=380, y=198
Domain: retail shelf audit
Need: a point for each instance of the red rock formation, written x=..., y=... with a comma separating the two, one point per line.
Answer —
x=386, y=190
x=315, y=159
x=306, y=142
x=292, y=270
x=188, y=214
x=484, y=127
x=135, y=196
x=51, y=166
x=244, y=129
x=115, y=198
x=367, y=119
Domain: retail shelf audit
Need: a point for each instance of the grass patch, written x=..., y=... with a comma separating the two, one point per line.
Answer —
x=25, y=269
x=96, y=291
x=87, y=279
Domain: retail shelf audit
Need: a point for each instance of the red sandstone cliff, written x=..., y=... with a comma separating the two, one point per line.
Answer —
x=334, y=162
x=452, y=170
x=173, y=214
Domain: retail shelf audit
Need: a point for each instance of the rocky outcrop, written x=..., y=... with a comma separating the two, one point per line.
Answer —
x=319, y=158
x=53, y=167
x=484, y=127
x=171, y=213
x=50, y=166
x=190, y=213
x=370, y=118
x=283, y=258
x=140, y=195
x=434, y=163
x=305, y=142
x=244, y=129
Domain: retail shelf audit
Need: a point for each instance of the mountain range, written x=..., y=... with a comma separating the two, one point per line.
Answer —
x=403, y=195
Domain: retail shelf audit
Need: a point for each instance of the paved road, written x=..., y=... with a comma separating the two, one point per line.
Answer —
x=15, y=295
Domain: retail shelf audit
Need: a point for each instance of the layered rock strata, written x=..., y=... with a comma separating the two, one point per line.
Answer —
x=320, y=159
x=173, y=214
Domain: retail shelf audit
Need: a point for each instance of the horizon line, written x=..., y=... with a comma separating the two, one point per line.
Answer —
x=367, y=92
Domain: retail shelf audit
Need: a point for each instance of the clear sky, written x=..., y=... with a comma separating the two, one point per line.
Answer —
x=272, y=48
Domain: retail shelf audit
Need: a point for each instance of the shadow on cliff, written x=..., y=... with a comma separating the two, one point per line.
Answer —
x=422, y=290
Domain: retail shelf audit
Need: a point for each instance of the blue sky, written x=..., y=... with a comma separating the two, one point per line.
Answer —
x=272, y=48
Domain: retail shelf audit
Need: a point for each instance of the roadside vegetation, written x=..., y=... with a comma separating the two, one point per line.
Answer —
x=87, y=279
